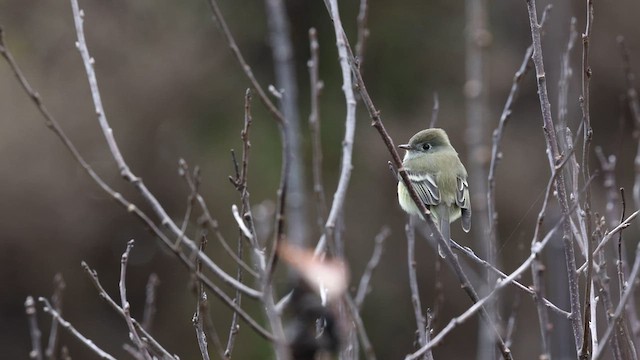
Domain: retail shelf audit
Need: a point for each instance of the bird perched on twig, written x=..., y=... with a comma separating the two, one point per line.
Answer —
x=439, y=178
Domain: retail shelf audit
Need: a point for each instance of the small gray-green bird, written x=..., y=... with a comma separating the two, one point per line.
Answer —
x=439, y=178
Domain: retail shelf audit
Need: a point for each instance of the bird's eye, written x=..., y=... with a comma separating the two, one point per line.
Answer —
x=426, y=146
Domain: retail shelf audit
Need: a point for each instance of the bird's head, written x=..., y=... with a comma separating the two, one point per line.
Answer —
x=426, y=142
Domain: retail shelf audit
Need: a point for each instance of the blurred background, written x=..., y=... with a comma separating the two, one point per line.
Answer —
x=172, y=89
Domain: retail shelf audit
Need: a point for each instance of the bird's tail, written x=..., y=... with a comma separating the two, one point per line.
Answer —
x=442, y=211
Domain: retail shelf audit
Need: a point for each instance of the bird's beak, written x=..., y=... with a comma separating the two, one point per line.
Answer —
x=405, y=146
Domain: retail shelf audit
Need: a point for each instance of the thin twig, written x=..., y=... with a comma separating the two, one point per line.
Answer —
x=438, y=289
x=511, y=321
x=352, y=310
x=314, y=127
x=56, y=299
x=192, y=181
x=537, y=271
x=349, y=133
x=621, y=305
x=566, y=72
x=589, y=320
x=609, y=235
x=243, y=64
x=241, y=225
x=126, y=308
x=620, y=263
x=190, y=199
x=198, y=317
x=472, y=256
x=75, y=333
x=364, y=287
x=413, y=284
x=150, y=301
x=209, y=328
x=34, y=329
x=363, y=30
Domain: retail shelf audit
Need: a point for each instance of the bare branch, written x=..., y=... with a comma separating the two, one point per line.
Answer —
x=75, y=333
x=133, y=334
x=588, y=343
x=413, y=284
x=364, y=287
x=621, y=305
x=609, y=235
x=34, y=329
x=122, y=166
x=363, y=31
x=243, y=64
x=472, y=256
x=352, y=310
x=56, y=299
x=150, y=301
x=314, y=127
x=349, y=133
x=553, y=154
x=198, y=318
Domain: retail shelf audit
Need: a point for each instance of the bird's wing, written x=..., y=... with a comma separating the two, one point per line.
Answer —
x=463, y=202
x=426, y=187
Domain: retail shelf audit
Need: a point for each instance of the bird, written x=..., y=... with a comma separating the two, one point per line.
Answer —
x=439, y=178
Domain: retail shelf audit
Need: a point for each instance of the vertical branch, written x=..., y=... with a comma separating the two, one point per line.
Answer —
x=413, y=283
x=537, y=272
x=56, y=299
x=280, y=39
x=363, y=31
x=349, y=134
x=34, y=329
x=241, y=185
x=133, y=333
x=314, y=126
x=150, y=302
x=199, y=315
x=563, y=84
x=587, y=345
x=554, y=154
